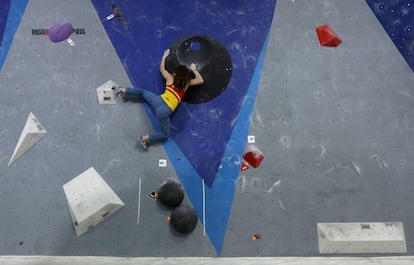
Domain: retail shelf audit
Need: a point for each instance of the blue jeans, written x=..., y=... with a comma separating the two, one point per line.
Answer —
x=162, y=112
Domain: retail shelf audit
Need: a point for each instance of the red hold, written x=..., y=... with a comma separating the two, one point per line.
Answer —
x=256, y=237
x=254, y=157
x=327, y=37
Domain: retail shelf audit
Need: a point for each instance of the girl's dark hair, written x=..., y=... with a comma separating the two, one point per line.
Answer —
x=182, y=76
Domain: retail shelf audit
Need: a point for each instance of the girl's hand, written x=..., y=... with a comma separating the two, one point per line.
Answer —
x=166, y=53
x=193, y=67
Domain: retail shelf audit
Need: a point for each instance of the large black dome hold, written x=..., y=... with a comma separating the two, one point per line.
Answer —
x=171, y=193
x=213, y=62
x=184, y=219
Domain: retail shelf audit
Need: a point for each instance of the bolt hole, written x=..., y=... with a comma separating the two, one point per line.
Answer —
x=195, y=46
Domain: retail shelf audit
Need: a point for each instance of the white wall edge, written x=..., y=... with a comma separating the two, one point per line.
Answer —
x=88, y=260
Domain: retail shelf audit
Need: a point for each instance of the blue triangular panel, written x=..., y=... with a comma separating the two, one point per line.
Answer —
x=397, y=18
x=221, y=125
x=11, y=11
x=155, y=25
x=4, y=13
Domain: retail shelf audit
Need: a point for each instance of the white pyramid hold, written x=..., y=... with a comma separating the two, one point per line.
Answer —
x=90, y=200
x=107, y=95
x=32, y=132
x=361, y=238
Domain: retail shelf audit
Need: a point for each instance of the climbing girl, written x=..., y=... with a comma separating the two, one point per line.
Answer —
x=176, y=84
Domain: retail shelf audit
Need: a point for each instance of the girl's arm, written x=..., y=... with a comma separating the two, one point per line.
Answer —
x=168, y=77
x=198, y=80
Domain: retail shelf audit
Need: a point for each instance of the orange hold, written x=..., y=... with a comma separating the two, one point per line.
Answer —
x=168, y=218
x=327, y=37
x=244, y=166
x=256, y=237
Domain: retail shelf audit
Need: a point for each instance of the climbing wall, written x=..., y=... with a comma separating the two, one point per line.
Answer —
x=318, y=136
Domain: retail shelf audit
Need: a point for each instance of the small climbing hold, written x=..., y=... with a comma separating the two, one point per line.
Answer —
x=253, y=156
x=256, y=237
x=327, y=37
x=60, y=31
x=244, y=166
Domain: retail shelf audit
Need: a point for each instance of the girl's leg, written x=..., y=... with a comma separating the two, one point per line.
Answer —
x=163, y=133
x=152, y=99
x=132, y=91
x=163, y=113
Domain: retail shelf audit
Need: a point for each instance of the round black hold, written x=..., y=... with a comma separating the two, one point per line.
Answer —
x=171, y=193
x=184, y=219
x=213, y=62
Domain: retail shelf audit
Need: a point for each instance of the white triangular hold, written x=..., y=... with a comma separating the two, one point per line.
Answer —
x=90, y=200
x=106, y=93
x=32, y=132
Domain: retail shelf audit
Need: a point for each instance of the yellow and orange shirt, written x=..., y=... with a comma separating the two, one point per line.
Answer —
x=172, y=96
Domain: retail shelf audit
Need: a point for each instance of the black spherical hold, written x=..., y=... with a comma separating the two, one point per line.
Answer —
x=184, y=219
x=171, y=193
x=213, y=62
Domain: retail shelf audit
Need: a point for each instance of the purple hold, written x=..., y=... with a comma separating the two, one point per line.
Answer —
x=60, y=31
